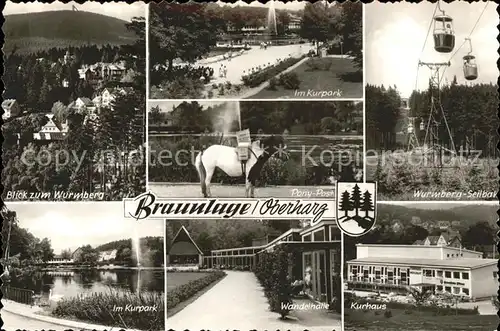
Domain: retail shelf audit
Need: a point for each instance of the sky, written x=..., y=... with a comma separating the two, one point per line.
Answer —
x=167, y=106
x=118, y=10
x=395, y=35
x=71, y=225
x=295, y=5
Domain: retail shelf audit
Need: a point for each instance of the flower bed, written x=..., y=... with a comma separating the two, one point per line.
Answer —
x=98, y=308
x=448, y=310
x=260, y=77
x=186, y=291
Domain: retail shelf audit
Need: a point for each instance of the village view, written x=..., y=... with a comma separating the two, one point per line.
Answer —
x=74, y=112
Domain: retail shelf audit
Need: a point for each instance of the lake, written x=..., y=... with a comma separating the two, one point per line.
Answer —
x=71, y=283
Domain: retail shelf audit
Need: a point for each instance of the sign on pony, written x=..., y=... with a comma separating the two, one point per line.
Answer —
x=147, y=205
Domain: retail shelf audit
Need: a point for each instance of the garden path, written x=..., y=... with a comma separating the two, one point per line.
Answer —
x=238, y=302
x=254, y=58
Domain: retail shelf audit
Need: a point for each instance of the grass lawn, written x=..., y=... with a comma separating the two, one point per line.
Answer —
x=175, y=279
x=340, y=76
x=417, y=321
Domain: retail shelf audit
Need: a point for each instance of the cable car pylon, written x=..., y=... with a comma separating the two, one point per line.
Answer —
x=432, y=143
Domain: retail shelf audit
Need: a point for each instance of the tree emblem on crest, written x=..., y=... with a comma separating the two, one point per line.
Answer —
x=356, y=207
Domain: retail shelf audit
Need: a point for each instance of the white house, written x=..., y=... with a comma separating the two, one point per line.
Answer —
x=10, y=108
x=52, y=130
x=107, y=255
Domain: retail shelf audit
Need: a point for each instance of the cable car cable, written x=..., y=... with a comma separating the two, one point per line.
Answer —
x=423, y=48
x=465, y=40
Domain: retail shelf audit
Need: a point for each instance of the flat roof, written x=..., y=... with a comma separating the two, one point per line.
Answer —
x=418, y=246
x=450, y=263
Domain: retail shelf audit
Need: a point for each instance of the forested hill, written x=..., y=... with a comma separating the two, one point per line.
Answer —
x=145, y=242
x=32, y=32
x=467, y=215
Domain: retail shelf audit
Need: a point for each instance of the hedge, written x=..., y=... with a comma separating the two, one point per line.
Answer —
x=260, y=77
x=272, y=272
x=186, y=291
x=426, y=308
x=275, y=172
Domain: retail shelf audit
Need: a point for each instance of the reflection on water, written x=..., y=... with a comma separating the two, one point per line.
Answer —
x=73, y=283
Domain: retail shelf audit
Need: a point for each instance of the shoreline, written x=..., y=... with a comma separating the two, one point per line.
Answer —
x=27, y=312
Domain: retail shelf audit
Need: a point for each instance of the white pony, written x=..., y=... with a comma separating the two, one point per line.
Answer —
x=226, y=159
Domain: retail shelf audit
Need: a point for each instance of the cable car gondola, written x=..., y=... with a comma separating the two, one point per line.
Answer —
x=444, y=36
x=470, y=66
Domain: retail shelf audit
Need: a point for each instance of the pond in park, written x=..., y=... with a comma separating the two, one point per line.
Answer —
x=71, y=283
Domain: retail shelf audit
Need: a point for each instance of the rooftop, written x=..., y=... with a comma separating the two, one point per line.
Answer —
x=451, y=263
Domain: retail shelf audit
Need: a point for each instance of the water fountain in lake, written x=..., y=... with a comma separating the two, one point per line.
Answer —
x=272, y=29
x=136, y=247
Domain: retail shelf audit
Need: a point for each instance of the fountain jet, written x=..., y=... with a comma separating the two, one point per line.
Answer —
x=271, y=20
x=136, y=247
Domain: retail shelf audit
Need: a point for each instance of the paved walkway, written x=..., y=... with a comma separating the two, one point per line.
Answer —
x=254, y=58
x=237, y=302
x=192, y=190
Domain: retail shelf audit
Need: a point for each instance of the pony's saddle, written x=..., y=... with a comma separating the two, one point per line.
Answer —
x=243, y=152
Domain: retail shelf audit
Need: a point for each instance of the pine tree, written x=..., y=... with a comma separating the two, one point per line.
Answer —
x=367, y=205
x=356, y=199
x=345, y=203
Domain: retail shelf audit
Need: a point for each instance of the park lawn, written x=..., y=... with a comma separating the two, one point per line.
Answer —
x=416, y=321
x=341, y=76
x=176, y=279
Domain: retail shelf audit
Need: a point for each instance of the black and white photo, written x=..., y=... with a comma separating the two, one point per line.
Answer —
x=219, y=50
x=74, y=101
x=253, y=274
x=431, y=100
x=253, y=149
x=425, y=262
x=81, y=265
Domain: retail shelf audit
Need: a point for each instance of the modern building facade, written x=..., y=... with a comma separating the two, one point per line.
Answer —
x=316, y=250
x=440, y=269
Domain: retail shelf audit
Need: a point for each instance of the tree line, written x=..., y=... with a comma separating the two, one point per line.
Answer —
x=472, y=104
x=221, y=234
x=189, y=31
x=26, y=250
x=194, y=118
x=302, y=117
x=36, y=80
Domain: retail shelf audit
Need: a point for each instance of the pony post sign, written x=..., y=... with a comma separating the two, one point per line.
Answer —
x=147, y=205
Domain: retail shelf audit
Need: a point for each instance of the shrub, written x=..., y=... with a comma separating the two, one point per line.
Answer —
x=96, y=308
x=260, y=77
x=180, y=87
x=289, y=81
x=186, y=291
x=273, y=84
x=388, y=314
x=376, y=312
x=272, y=273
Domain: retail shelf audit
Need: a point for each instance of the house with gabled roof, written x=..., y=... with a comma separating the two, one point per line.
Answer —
x=10, y=108
x=184, y=251
x=53, y=130
x=444, y=239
